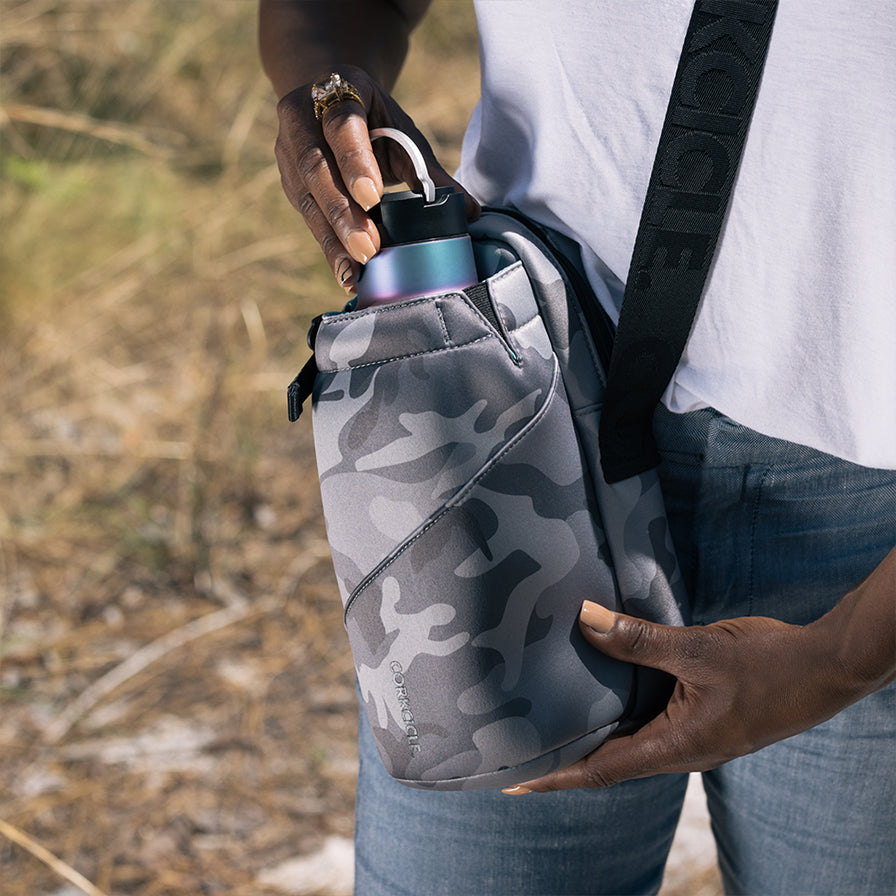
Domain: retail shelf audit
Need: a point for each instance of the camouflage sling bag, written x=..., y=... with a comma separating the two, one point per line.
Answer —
x=458, y=441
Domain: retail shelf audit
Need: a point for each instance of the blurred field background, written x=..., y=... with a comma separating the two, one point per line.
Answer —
x=176, y=699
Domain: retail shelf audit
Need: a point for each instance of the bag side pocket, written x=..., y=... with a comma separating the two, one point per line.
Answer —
x=410, y=403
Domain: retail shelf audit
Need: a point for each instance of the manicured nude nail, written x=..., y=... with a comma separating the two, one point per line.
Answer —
x=345, y=276
x=361, y=246
x=365, y=193
x=344, y=271
x=519, y=790
x=597, y=617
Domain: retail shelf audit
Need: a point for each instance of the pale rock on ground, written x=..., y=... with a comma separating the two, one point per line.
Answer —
x=330, y=870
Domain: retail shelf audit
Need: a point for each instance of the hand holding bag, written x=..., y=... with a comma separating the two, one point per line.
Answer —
x=460, y=439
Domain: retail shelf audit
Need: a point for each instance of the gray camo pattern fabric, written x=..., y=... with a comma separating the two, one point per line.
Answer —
x=468, y=520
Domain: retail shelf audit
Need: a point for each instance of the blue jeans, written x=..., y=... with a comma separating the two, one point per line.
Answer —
x=762, y=527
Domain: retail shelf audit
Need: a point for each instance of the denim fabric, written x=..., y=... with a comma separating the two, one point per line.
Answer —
x=762, y=527
x=483, y=843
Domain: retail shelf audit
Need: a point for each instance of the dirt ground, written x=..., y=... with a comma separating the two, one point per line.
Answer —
x=177, y=712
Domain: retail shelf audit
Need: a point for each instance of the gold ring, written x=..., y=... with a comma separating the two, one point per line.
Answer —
x=335, y=89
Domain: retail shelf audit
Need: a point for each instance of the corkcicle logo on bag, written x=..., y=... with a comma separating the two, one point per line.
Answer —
x=404, y=704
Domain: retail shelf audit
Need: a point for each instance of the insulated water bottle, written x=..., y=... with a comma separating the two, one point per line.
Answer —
x=426, y=248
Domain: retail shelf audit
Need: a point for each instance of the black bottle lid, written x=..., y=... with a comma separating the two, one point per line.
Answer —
x=407, y=217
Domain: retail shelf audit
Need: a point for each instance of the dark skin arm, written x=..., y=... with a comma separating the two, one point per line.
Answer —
x=742, y=683
x=301, y=40
x=329, y=169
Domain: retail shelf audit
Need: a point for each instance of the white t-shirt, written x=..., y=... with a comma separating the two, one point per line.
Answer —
x=796, y=333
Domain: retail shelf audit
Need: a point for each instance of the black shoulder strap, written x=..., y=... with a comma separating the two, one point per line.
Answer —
x=693, y=175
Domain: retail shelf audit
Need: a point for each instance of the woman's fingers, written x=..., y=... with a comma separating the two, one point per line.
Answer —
x=311, y=167
x=333, y=175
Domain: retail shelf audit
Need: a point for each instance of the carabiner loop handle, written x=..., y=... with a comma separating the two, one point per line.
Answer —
x=429, y=188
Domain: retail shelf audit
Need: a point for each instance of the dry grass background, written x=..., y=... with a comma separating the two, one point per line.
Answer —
x=176, y=698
